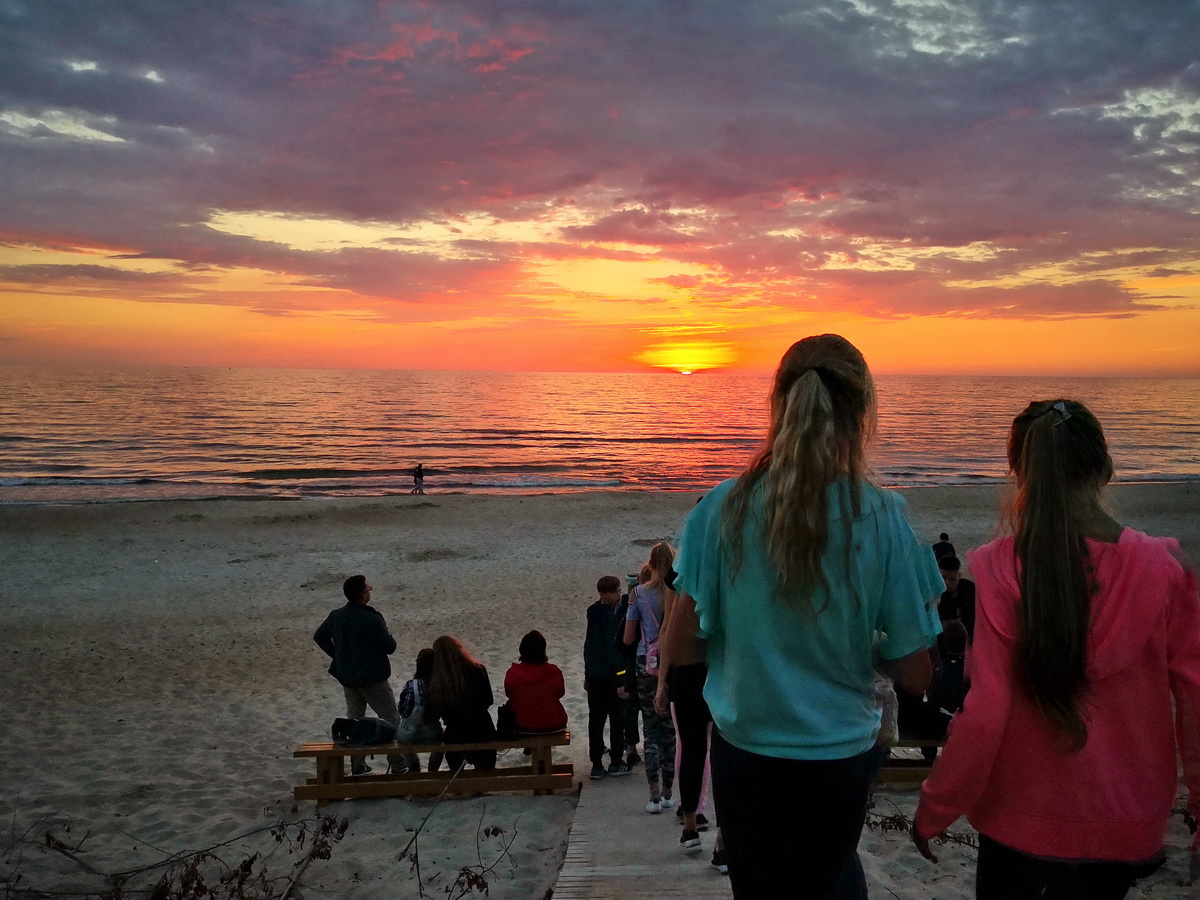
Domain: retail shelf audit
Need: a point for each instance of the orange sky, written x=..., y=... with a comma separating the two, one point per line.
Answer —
x=415, y=185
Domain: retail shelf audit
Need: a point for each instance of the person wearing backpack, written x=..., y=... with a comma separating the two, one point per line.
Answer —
x=643, y=621
x=357, y=641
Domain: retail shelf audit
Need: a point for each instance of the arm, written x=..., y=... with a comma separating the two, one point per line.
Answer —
x=963, y=771
x=324, y=638
x=1183, y=663
x=631, y=635
x=681, y=609
x=911, y=673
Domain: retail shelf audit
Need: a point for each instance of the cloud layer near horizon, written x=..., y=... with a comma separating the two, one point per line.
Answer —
x=449, y=161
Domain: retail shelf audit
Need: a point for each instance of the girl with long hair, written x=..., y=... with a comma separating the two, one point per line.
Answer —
x=460, y=694
x=805, y=577
x=1063, y=756
x=648, y=605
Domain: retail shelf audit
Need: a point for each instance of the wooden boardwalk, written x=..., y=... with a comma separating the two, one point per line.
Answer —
x=618, y=851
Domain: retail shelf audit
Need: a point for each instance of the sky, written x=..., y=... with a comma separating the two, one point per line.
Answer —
x=956, y=186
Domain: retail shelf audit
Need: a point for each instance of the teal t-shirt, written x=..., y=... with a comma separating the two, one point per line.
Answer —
x=784, y=684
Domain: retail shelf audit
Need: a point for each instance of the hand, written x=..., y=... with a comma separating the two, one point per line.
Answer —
x=661, y=705
x=622, y=693
x=923, y=845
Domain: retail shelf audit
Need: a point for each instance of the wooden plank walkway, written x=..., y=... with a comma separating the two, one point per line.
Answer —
x=618, y=851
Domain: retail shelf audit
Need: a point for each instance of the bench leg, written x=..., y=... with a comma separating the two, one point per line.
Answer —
x=541, y=759
x=330, y=770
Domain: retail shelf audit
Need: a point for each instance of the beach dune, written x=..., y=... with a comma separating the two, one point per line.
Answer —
x=158, y=669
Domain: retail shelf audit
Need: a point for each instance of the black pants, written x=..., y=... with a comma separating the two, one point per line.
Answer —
x=685, y=685
x=605, y=706
x=1007, y=874
x=788, y=822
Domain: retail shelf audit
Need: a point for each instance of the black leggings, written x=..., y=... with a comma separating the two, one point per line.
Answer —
x=793, y=821
x=685, y=685
x=1007, y=874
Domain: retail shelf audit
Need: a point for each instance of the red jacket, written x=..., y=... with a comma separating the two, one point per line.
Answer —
x=533, y=691
x=1003, y=766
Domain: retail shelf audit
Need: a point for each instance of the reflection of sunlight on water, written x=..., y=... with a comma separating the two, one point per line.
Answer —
x=97, y=434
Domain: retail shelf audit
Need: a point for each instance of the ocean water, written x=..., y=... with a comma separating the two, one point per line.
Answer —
x=94, y=435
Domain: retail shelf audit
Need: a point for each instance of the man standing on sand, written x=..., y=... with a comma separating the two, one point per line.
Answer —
x=357, y=640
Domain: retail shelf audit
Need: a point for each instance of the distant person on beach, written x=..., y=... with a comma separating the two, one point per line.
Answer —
x=605, y=670
x=1064, y=755
x=356, y=639
x=958, y=600
x=647, y=603
x=794, y=567
x=415, y=726
x=943, y=547
x=418, y=479
x=460, y=694
x=535, y=688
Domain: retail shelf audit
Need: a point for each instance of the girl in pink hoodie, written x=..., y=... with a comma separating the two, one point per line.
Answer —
x=1063, y=757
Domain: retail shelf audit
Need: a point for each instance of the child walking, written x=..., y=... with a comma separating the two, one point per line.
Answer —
x=1063, y=757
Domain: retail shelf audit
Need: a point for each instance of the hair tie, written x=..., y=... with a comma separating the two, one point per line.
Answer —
x=1061, y=408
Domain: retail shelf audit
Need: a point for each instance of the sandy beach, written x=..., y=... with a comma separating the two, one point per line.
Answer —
x=158, y=670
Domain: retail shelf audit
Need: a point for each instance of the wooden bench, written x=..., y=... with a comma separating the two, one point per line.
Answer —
x=907, y=769
x=539, y=773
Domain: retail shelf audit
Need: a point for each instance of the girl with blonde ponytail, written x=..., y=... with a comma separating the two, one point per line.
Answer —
x=1063, y=756
x=804, y=576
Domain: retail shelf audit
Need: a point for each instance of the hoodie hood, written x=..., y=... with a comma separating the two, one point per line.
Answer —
x=1133, y=575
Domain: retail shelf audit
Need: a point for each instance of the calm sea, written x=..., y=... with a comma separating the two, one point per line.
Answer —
x=86, y=435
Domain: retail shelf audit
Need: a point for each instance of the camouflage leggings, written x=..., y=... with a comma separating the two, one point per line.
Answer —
x=658, y=732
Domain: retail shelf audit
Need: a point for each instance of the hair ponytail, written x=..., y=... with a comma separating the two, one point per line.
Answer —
x=1059, y=456
x=822, y=412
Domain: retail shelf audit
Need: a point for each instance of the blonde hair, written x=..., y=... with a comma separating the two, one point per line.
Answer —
x=822, y=416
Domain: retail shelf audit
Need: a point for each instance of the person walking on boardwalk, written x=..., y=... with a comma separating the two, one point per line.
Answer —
x=805, y=576
x=1085, y=674
x=647, y=604
x=357, y=641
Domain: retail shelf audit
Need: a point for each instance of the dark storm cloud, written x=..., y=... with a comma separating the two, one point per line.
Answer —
x=704, y=129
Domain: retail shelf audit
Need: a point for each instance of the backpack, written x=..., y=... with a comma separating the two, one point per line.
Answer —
x=362, y=732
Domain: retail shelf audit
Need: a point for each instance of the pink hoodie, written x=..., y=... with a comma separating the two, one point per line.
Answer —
x=1003, y=767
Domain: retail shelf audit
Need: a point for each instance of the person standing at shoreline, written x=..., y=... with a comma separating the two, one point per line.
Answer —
x=795, y=567
x=357, y=641
x=418, y=479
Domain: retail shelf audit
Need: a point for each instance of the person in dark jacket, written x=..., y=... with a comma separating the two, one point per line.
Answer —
x=357, y=641
x=606, y=672
x=460, y=694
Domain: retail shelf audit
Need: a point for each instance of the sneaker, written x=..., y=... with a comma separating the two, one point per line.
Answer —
x=360, y=770
x=654, y=806
x=720, y=862
x=598, y=772
x=399, y=770
x=617, y=769
x=667, y=801
x=689, y=840
x=632, y=758
x=701, y=822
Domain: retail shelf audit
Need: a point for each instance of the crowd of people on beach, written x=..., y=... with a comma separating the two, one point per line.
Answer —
x=799, y=624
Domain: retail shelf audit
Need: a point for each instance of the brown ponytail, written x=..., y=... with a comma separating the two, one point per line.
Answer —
x=1057, y=452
